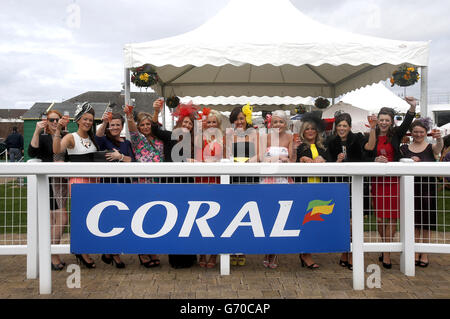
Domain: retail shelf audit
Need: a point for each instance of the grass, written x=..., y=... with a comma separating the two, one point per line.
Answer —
x=13, y=208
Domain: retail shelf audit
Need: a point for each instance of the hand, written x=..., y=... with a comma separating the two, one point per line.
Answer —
x=62, y=123
x=40, y=125
x=305, y=159
x=113, y=156
x=415, y=159
x=157, y=105
x=319, y=159
x=436, y=134
x=105, y=117
x=372, y=121
x=296, y=143
x=381, y=159
x=128, y=110
x=340, y=157
x=411, y=101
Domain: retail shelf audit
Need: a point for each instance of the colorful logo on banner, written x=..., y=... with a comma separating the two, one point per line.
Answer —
x=316, y=208
x=210, y=218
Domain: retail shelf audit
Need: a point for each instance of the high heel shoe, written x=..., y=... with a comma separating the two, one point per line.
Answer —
x=233, y=260
x=273, y=261
x=147, y=264
x=107, y=260
x=81, y=260
x=241, y=260
x=266, y=261
x=211, y=262
x=58, y=267
x=119, y=264
x=385, y=265
x=313, y=266
x=202, y=261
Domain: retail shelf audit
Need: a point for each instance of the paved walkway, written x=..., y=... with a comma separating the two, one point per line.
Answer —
x=290, y=280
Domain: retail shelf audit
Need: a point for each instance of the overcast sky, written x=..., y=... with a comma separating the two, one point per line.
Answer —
x=48, y=54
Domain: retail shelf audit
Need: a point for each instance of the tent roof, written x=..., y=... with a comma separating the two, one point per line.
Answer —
x=266, y=103
x=372, y=98
x=359, y=115
x=268, y=47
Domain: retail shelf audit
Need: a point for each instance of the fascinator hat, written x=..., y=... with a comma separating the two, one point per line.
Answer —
x=315, y=120
x=426, y=123
x=81, y=109
x=183, y=110
x=247, y=110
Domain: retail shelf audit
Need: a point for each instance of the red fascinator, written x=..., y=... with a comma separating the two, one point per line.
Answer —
x=206, y=111
x=184, y=110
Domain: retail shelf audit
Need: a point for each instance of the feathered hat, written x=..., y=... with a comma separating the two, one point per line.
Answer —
x=315, y=119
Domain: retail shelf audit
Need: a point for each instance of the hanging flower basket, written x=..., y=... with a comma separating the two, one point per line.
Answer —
x=144, y=76
x=405, y=76
x=321, y=103
x=172, y=102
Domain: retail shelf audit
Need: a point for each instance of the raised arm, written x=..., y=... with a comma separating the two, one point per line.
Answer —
x=102, y=128
x=61, y=145
x=372, y=141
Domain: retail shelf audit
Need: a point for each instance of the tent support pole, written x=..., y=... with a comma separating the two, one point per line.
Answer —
x=424, y=93
x=163, y=111
x=127, y=98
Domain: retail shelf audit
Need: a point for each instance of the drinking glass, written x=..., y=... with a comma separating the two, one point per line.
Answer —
x=344, y=151
x=44, y=119
x=66, y=120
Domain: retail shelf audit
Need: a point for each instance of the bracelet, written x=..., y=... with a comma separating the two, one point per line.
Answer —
x=121, y=160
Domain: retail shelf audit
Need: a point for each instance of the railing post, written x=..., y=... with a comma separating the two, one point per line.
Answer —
x=407, y=225
x=32, y=228
x=45, y=273
x=224, y=258
x=358, y=231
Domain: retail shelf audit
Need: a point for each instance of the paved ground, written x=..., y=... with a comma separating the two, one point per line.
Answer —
x=290, y=280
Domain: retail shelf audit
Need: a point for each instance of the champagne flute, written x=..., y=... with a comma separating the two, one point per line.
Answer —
x=344, y=151
x=66, y=120
x=44, y=119
x=108, y=112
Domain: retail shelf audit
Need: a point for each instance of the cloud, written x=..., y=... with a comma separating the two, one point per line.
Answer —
x=45, y=57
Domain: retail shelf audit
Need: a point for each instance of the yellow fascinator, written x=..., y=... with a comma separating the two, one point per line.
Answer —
x=247, y=109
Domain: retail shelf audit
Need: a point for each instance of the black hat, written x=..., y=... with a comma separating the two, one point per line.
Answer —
x=315, y=119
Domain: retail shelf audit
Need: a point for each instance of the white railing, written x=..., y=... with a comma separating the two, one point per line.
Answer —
x=38, y=227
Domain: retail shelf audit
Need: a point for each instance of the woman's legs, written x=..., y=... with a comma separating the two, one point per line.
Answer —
x=387, y=229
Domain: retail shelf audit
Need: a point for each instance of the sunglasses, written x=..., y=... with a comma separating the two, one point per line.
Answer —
x=53, y=120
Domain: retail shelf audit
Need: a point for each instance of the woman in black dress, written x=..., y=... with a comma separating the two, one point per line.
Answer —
x=425, y=199
x=311, y=150
x=345, y=146
x=41, y=147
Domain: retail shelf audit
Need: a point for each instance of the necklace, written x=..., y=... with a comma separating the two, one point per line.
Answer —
x=86, y=142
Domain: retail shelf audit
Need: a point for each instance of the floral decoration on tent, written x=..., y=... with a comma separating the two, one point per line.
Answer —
x=405, y=76
x=144, y=76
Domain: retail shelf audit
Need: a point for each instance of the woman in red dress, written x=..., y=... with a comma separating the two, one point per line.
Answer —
x=384, y=147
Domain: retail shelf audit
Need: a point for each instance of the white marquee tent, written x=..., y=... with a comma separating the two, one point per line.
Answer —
x=269, y=48
x=359, y=115
x=372, y=98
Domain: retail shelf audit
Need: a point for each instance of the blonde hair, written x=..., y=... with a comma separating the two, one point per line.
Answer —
x=282, y=115
x=143, y=116
x=319, y=139
x=219, y=119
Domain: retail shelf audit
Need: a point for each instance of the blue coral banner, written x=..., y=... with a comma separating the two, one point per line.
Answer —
x=210, y=218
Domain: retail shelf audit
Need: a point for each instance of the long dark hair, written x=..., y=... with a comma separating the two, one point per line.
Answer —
x=91, y=132
x=391, y=131
x=234, y=114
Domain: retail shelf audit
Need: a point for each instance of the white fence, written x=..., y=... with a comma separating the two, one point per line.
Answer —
x=38, y=247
